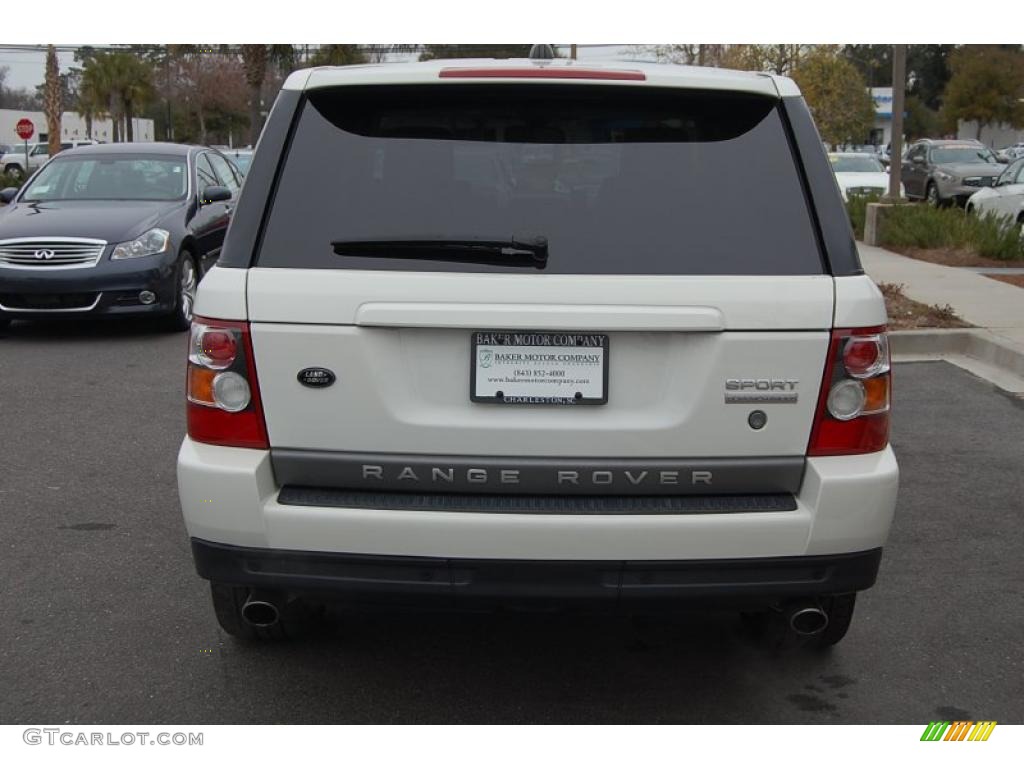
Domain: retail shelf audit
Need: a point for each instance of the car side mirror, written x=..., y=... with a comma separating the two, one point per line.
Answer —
x=215, y=194
x=6, y=195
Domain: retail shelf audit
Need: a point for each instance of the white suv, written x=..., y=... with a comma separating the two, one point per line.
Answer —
x=13, y=163
x=538, y=333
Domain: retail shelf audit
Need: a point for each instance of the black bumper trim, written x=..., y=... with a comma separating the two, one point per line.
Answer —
x=537, y=475
x=536, y=505
x=455, y=582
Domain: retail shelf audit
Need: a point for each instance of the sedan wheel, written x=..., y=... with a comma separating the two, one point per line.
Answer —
x=933, y=196
x=179, y=318
x=187, y=296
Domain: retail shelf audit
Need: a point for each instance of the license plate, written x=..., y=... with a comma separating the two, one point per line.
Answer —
x=539, y=368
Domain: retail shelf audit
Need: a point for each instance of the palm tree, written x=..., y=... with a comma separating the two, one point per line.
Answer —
x=100, y=87
x=88, y=104
x=117, y=83
x=336, y=55
x=136, y=88
x=52, y=106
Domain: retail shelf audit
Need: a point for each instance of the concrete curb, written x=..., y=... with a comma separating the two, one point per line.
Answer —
x=973, y=349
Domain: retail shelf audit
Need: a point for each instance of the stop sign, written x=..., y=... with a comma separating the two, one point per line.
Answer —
x=25, y=128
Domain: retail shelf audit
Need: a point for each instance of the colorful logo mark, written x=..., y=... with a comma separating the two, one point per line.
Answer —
x=959, y=730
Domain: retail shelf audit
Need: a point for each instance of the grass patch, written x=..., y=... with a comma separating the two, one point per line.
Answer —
x=906, y=313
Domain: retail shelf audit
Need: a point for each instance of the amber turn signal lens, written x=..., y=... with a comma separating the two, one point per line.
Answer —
x=200, y=385
x=876, y=395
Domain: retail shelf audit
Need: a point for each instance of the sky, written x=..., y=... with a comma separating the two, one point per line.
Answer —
x=25, y=68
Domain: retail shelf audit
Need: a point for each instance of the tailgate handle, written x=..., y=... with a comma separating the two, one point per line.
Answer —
x=540, y=316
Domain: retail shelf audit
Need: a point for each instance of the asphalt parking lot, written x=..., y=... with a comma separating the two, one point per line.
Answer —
x=103, y=619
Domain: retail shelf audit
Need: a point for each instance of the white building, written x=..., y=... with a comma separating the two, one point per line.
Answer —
x=72, y=127
x=881, y=131
x=995, y=136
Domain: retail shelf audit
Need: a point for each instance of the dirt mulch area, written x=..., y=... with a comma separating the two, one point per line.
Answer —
x=905, y=313
x=1017, y=280
x=952, y=257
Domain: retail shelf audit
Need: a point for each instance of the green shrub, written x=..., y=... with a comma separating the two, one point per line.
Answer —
x=921, y=226
x=857, y=209
x=996, y=238
x=8, y=181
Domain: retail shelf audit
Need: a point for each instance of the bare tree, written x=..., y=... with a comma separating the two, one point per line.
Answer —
x=216, y=82
x=254, y=59
x=685, y=53
x=779, y=59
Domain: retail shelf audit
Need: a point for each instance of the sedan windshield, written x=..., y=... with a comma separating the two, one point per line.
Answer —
x=855, y=164
x=949, y=155
x=111, y=177
x=242, y=161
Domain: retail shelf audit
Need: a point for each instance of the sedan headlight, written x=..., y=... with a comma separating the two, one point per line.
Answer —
x=947, y=177
x=148, y=244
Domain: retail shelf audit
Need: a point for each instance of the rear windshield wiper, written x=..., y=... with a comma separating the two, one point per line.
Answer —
x=515, y=252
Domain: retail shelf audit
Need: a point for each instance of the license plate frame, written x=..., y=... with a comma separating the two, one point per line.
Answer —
x=582, y=342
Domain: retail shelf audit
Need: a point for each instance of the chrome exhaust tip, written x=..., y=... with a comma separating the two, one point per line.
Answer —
x=260, y=611
x=807, y=619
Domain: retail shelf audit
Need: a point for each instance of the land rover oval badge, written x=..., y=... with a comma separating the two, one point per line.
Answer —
x=316, y=377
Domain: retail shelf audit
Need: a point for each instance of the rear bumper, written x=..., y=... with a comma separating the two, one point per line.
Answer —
x=457, y=582
x=232, y=496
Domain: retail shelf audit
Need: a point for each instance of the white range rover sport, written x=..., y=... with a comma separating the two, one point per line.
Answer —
x=538, y=333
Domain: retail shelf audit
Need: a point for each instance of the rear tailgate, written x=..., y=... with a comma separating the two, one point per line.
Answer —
x=400, y=346
x=678, y=237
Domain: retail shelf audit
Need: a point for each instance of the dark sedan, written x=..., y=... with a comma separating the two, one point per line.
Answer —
x=115, y=229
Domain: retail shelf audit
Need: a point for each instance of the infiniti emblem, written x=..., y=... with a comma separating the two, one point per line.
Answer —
x=44, y=253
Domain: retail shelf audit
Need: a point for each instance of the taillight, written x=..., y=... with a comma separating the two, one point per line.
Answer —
x=853, y=408
x=224, y=405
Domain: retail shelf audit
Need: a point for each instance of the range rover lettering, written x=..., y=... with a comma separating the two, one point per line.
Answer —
x=566, y=372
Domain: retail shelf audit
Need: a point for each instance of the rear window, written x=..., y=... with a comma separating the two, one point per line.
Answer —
x=617, y=180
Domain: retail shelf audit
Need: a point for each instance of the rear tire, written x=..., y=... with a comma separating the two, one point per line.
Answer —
x=14, y=171
x=295, y=621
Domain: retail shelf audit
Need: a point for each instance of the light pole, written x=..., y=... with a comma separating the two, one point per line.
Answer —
x=899, y=84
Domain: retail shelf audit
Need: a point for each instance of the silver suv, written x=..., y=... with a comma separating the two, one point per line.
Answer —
x=947, y=172
x=511, y=333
